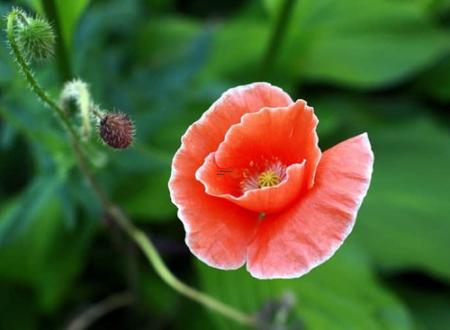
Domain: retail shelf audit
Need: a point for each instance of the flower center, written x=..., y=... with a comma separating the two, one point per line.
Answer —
x=269, y=175
x=268, y=179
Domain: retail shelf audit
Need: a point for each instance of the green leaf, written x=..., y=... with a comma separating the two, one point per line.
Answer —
x=165, y=40
x=47, y=256
x=341, y=294
x=69, y=13
x=430, y=309
x=436, y=82
x=158, y=296
x=404, y=220
x=147, y=197
x=237, y=50
x=18, y=312
x=384, y=43
x=20, y=213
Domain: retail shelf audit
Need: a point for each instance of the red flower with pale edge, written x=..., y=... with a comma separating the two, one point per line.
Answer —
x=251, y=184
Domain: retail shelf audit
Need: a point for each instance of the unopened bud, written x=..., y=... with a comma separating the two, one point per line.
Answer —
x=36, y=38
x=116, y=130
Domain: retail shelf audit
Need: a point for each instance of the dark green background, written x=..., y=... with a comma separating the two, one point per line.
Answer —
x=381, y=66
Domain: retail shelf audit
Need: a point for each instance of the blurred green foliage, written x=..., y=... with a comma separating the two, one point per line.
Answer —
x=381, y=66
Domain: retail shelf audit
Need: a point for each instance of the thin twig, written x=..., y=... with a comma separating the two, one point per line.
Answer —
x=100, y=309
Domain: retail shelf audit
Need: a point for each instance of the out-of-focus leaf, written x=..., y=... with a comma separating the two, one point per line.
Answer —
x=146, y=197
x=273, y=7
x=384, y=43
x=430, y=310
x=341, y=294
x=405, y=220
x=160, y=298
x=69, y=15
x=47, y=256
x=20, y=213
x=165, y=40
x=237, y=50
x=37, y=125
x=436, y=82
x=17, y=309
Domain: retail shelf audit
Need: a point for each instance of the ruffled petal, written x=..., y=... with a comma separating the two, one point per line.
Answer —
x=218, y=182
x=291, y=243
x=217, y=231
x=286, y=133
x=205, y=135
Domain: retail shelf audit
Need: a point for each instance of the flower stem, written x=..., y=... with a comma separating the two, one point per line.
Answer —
x=137, y=235
x=24, y=68
x=153, y=256
x=276, y=39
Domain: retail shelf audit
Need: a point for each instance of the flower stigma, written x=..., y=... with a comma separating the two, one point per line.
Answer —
x=271, y=175
x=268, y=179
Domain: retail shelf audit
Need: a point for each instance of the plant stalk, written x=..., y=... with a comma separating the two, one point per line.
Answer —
x=276, y=39
x=137, y=235
x=62, y=54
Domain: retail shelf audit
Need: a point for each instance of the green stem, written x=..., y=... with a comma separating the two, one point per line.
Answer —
x=25, y=69
x=276, y=39
x=62, y=55
x=114, y=211
x=153, y=256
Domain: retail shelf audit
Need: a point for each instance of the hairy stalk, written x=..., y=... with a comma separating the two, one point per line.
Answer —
x=24, y=68
x=137, y=235
x=276, y=38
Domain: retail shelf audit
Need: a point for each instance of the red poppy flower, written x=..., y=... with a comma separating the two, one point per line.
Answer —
x=251, y=184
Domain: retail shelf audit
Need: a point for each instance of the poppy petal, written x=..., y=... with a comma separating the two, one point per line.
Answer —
x=205, y=135
x=287, y=133
x=217, y=231
x=218, y=182
x=291, y=243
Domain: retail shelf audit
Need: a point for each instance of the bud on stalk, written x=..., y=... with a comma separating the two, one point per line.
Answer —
x=116, y=130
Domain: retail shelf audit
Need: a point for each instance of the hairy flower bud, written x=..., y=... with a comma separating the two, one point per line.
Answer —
x=116, y=130
x=36, y=38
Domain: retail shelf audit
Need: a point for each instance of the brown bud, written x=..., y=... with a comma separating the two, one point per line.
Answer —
x=116, y=130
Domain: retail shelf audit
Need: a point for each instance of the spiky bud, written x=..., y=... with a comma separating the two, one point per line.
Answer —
x=36, y=38
x=116, y=130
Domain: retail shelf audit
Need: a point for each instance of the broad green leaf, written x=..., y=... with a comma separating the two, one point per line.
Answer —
x=341, y=294
x=404, y=221
x=165, y=40
x=383, y=43
x=19, y=213
x=47, y=256
x=237, y=50
x=69, y=15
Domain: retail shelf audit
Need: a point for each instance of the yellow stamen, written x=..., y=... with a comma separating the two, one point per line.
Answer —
x=268, y=179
